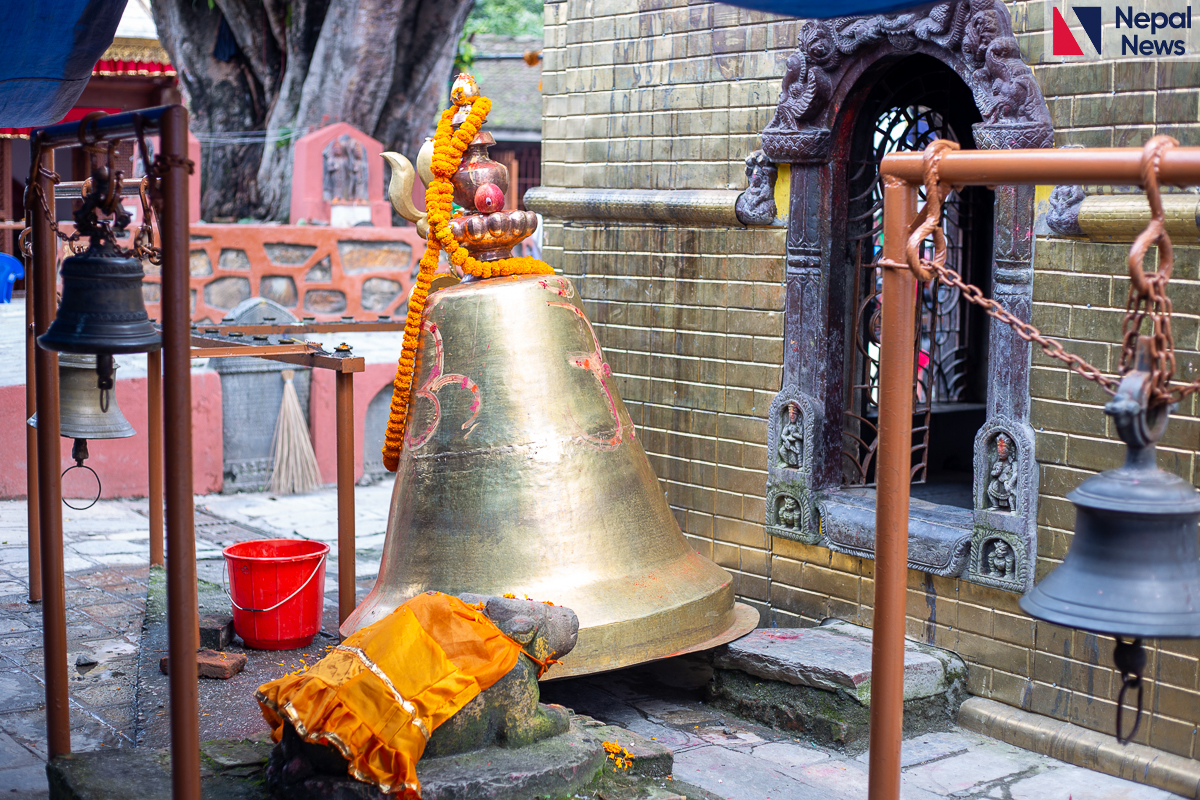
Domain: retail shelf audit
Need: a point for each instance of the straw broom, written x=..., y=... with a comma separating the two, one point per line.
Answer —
x=295, y=470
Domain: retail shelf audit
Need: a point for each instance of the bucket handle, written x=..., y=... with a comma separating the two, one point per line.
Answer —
x=225, y=586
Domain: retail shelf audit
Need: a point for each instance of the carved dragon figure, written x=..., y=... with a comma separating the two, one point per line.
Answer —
x=978, y=31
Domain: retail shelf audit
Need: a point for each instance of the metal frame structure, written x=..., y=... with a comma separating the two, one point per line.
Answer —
x=170, y=123
x=903, y=174
x=169, y=407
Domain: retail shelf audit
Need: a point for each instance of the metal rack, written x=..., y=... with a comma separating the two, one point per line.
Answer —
x=169, y=408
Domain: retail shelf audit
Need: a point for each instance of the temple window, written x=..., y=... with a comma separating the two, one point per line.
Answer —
x=905, y=111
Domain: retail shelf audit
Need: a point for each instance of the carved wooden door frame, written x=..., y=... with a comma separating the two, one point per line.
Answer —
x=974, y=39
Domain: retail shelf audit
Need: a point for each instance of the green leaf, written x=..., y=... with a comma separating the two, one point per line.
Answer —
x=505, y=18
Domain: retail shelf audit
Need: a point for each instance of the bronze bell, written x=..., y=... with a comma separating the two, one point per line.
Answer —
x=102, y=310
x=1133, y=568
x=80, y=413
x=521, y=473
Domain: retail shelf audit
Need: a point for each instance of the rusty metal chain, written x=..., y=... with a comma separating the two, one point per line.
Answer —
x=107, y=198
x=34, y=193
x=1147, y=293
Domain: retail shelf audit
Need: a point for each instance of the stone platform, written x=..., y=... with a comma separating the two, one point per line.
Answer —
x=817, y=681
x=559, y=767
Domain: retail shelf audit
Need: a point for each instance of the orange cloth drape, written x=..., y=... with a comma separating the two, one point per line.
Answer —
x=379, y=695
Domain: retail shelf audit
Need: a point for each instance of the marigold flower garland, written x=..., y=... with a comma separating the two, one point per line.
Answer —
x=449, y=146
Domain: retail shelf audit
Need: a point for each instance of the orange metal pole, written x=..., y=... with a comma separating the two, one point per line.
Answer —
x=154, y=421
x=49, y=494
x=1180, y=166
x=893, y=475
x=344, y=382
x=34, y=542
x=901, y=173
x=183, y=619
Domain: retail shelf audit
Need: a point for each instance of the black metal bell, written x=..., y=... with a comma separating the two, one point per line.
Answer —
x=102, y=310
x=1133, y=568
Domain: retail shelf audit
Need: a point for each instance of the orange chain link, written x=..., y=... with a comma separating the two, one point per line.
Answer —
x=1147, y=293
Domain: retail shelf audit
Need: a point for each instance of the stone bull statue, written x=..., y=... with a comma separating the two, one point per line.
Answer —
x=507, y=714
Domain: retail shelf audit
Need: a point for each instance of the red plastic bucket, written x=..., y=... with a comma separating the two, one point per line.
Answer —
x=277, y=587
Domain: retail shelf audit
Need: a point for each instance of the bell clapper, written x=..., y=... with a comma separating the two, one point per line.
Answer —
x=104, y=380
x=1130, y=659
x=1140, y=425
x=79, y=452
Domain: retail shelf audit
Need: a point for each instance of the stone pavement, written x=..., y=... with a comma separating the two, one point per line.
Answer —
x=106, y=559
x=739, y=760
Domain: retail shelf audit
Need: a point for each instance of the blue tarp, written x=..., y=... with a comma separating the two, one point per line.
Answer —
x=826, y=9
x=50, y=47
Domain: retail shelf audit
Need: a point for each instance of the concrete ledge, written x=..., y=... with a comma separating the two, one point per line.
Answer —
x=1081, y=747
x=683, y=206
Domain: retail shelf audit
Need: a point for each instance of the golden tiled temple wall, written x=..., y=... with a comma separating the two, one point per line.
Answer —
x=1079, y=294
x=666, y=95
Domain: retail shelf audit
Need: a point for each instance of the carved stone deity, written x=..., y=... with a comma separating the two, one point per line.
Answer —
x=356, y=168
x=756, y=205
x=346, y=171
x=789, y=512
x=334, y=183
x=1001, y=562
x=791, y=438
x=1002, y=478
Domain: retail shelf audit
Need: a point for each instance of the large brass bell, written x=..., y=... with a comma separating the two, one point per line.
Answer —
x=521, y=473
x=80, y=414
x=102, y=309
x=1133, y=568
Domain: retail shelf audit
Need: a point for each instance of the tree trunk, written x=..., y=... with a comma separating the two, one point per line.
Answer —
x=382, y=66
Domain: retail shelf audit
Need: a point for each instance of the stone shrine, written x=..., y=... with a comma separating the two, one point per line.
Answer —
x=337, y=179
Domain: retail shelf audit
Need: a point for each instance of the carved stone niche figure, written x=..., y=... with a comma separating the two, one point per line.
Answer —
x=1063, y=214
x=333, y=184
x=789, y=513
x=1002, y=477
x=999, y=560
x=791, y=438
x=756, y=205
x=357, y=171
x=346, y=171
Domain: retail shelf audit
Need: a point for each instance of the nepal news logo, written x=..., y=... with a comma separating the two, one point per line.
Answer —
x=1133, y=43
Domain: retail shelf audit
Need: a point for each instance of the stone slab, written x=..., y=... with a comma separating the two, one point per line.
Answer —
x=1079, y=782
x=139, y=774
x=737, y=776
x=649, y=758
x=555, y=767
x=836, y=657
x=929, y=747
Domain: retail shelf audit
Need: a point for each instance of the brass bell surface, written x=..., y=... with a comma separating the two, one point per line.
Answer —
x=80, y=413
x=102, y=309
x=521, y=474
